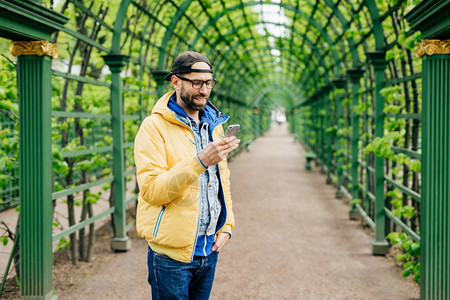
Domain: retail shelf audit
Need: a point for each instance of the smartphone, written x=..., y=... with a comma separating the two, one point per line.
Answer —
x=232, y=130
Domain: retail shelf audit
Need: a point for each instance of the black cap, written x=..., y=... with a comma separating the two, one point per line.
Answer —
x=182, y=64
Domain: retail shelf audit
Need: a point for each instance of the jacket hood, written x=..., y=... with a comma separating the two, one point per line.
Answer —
x=169, y=111
x=161, y=107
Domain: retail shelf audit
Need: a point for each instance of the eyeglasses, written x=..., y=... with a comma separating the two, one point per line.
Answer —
x=197, y=84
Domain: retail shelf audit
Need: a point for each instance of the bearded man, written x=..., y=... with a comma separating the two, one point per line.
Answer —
x=184, y=204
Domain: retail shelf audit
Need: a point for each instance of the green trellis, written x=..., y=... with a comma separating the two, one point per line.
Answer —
x=344, y=71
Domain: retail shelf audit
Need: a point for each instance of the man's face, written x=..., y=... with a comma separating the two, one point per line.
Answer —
x=195, y=99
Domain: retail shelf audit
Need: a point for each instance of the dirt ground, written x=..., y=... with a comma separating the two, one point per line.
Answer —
x=293, y=240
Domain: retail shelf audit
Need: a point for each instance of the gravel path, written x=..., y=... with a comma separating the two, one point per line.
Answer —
x=293, y=240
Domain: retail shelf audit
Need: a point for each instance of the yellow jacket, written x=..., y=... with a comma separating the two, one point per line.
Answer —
x=168, y=171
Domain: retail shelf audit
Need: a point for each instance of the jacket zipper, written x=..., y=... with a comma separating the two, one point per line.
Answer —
x=200, y=201
x=223, y=198
x=158, y=221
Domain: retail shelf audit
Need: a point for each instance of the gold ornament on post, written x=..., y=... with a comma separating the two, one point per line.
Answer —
x=430, y=47
x=34, y=48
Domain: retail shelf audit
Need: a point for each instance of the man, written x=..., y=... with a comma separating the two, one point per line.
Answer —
x=184, y=205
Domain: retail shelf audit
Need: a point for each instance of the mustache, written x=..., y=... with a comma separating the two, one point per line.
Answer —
x=200, y=96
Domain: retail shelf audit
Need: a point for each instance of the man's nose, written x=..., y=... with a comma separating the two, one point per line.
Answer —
x=203, y=89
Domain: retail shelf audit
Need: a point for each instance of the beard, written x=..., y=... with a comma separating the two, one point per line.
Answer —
x=189, y=100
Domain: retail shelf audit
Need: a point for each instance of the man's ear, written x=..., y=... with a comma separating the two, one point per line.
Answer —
x=175, y=81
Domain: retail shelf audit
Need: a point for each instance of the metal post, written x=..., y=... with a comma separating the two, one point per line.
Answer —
x=355, y=76
x=260, y=124
x=431, y=18
x=294, y=124
x=256, y=121
x=34, y=76
x=379, y=246
x=262, y=120
x=328, y=149
x=31, y=22
x=121, y=241
x=323, y=139
x=339, y=84
x=316, y=123
x=321, y=153
x=435, y=207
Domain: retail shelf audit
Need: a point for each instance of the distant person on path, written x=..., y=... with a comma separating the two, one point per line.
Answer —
x=184, y=205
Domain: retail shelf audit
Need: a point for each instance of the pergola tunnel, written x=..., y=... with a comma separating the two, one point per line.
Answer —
x=363, y=85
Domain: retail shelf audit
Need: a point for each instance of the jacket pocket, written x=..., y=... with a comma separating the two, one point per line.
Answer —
x=158, y=221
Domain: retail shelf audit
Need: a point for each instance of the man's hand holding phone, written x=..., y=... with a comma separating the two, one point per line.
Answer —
x=218, y=150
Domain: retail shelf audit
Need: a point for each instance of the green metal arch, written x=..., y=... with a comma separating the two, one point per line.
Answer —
x=186, y=4
x=283, y=80
x=269, y=88
x=286, y=6
x=338, y=14
x=236, y=88
x=238, y=83
x=265, y=48
x=235, y=85
x=377, y=26
x=226, y=70
x=244, y=26
x=118, y=25
x=233, y=79
x=219, y=64
x=180, y=12
x=370, y=4
x=264, y=81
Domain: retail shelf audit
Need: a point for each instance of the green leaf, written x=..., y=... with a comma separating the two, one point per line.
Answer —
x=415, y=246
x=63, y=244
x=11, y=95
x=108, y=140
x=4, y=240
x=390, y=54
x=4, y=179
x=415, y=165
x=92, y=198
x=61, y=167
x=6, y=104
x=395, y=109
x=64, y=126
x=56, y=154
x=401, y=38
x=406, y=273
x=83, y=165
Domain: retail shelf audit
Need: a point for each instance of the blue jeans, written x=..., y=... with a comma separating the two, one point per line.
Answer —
x=171, y=279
